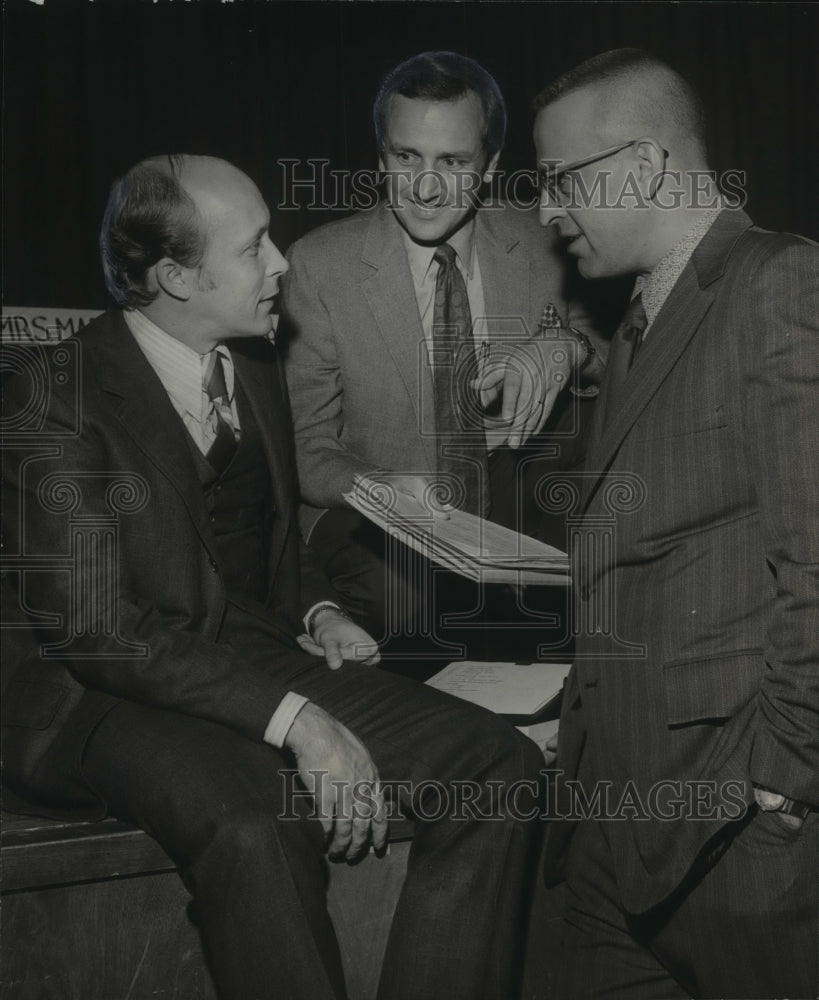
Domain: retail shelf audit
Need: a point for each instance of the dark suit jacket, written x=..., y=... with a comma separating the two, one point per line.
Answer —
x=699, y=654
x=95, y=441
x=356, y=364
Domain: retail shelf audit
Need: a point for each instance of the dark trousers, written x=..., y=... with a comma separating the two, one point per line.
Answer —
x=744, y=926
x=223, y=810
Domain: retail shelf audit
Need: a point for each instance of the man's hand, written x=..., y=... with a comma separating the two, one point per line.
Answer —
x=336, y=767
x=337, y=639
x=528, y=377
x=771, y=801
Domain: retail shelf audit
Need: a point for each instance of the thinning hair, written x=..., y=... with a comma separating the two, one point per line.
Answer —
x=637, y=85
x=444, y=76
x=149, y=215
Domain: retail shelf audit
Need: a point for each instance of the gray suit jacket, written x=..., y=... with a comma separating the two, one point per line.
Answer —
x=698, y=658
x=360, y=385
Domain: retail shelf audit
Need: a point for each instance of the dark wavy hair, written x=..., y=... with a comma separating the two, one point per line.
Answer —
x=444, y=76
x=149, y=216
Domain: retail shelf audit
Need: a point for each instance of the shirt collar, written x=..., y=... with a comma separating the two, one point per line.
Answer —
x=420, y=257
x=656, y=286
x=179, y=367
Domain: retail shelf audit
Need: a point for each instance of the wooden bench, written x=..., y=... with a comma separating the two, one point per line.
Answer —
x=96, y=911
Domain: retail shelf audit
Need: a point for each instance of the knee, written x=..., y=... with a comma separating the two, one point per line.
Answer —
x=254, y=833
x=506, y=753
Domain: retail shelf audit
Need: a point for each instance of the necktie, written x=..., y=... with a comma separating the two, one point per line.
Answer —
x=458, y=418
x=624, y=347
x=224, y=444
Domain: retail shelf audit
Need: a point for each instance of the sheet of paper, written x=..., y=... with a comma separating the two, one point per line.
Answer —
x=505, y=688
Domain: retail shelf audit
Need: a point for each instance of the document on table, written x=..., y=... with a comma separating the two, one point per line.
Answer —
x=519, y=690
x=466, y=544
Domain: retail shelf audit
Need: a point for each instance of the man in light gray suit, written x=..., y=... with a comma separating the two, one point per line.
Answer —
x=366, y=299
x=691, y=715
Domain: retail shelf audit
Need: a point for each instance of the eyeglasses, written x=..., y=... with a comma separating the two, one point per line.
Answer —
x=558, y=183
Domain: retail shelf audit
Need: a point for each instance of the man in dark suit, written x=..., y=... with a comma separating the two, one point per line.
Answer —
x=150, y=510
x=690, y=721
x=389, y=308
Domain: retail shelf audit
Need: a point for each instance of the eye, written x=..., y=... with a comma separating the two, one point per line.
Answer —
x=253, y=249
x=453, y=163
x=403, y=156
x=565, y=184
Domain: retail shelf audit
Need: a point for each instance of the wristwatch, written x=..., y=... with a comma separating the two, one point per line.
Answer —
x=579, y=387
x=788, y=806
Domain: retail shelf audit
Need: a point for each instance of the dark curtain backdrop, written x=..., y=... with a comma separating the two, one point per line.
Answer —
x=92, y=87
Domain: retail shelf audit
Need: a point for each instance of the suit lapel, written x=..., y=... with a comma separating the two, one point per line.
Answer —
x=506, y=279
x=387, y=285
x=148, y=416
x=679, y=319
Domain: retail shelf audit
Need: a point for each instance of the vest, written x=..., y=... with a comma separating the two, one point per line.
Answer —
x=240, y=507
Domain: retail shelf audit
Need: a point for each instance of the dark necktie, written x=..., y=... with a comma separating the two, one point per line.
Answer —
x=224, y=445
x=624, y=347
x=458, y=418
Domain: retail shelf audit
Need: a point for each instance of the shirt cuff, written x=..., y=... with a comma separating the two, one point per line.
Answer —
x=282, y=718
x=314, y=610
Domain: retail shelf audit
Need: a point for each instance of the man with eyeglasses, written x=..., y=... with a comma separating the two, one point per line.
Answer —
x=690, y=840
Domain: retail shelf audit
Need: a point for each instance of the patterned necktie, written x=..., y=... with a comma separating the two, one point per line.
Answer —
x=624, y=347
x=224, y=444
x=458, y=418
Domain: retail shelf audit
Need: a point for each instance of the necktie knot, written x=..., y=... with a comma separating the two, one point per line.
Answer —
x=224, y=436
x=635, y=316
x=214, y=382
x=444, y=255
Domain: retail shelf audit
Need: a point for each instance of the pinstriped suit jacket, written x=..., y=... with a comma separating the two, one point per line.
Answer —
x=699, y=658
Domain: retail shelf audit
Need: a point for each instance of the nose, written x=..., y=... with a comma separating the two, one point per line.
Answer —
x=276, y=263
x=550, y=210
x=428, y=186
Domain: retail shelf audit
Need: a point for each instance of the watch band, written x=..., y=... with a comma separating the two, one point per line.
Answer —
x=793, y=808
x=587, y=346
x=317, y=610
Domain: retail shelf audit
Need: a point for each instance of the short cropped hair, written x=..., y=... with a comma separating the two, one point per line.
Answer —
x=149, y=216
x=679, y=100
x=444, y=76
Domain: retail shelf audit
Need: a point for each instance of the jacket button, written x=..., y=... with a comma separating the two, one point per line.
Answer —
x=213, y=566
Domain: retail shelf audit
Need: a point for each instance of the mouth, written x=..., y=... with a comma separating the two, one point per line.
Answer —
x=572, y=241
x=426, y=211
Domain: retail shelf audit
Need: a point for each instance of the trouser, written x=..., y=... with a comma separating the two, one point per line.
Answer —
x=743, y=926
x=218, y=804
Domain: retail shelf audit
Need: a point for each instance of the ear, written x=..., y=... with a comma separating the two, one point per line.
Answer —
x=650, y=157
x=491, y=167
x=173, y=279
